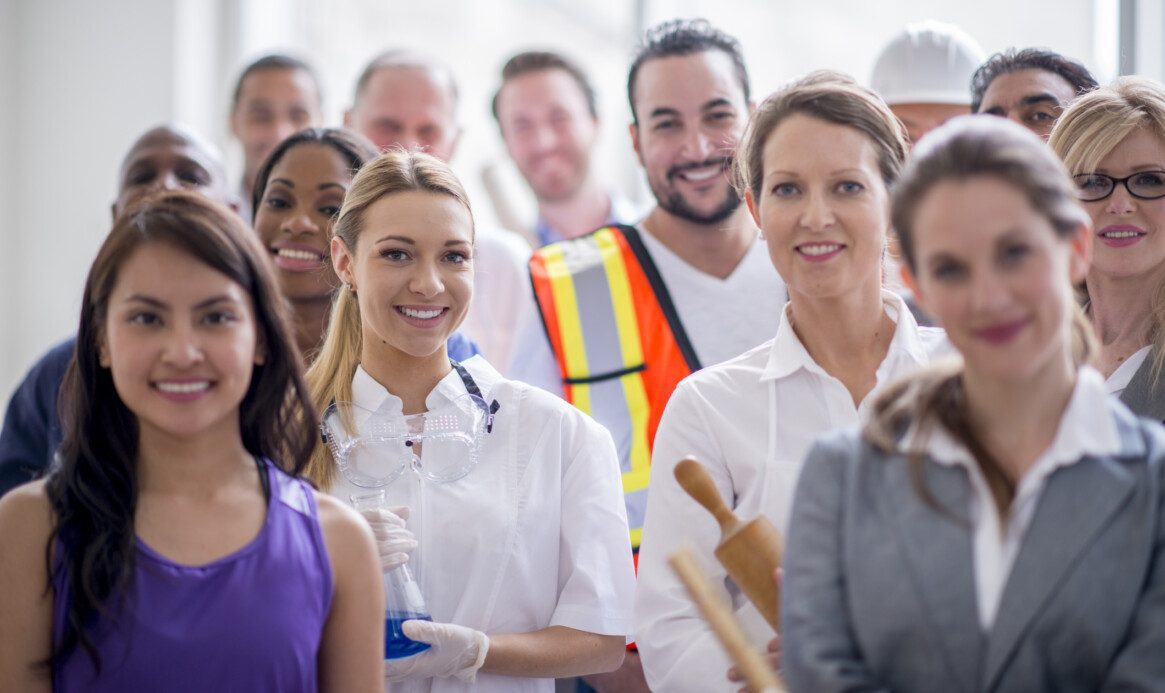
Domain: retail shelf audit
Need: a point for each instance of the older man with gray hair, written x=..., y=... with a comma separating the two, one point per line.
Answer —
x=408, y=100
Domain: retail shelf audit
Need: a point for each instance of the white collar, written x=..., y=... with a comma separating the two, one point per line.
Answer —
x=371, y=395
x=788, y=355
x=1086, y=428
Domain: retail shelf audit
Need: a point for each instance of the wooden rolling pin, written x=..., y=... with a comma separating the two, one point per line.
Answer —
x=750, y=663
x=749, y=551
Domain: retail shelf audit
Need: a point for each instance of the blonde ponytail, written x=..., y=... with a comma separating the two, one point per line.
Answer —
x=330, y=375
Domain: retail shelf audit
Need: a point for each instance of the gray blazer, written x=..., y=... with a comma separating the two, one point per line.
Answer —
x=879, y=590
x=1144, y=396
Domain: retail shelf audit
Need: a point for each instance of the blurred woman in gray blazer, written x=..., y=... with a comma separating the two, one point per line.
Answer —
x=997, y=524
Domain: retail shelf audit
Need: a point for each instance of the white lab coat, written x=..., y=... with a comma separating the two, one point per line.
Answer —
x=534, y=536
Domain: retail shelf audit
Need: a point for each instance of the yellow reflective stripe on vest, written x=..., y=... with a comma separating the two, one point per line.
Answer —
x=578, y=268
x=632, y=346
x=569, y=326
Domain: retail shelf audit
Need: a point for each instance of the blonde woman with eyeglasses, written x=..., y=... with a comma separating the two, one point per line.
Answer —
x=1113, y=142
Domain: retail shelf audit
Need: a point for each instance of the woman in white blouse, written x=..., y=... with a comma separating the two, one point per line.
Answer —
x=998, y=524
x=523, y=558
x=1113, y=142
x=815, y=165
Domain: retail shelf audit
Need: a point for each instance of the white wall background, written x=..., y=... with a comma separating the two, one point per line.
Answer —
x=8, y=324
x=81, y=79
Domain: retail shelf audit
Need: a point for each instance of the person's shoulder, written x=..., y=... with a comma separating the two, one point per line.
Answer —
x=62, y=352
x=541, y=408
x=338, y=520
x=532, y=396
x=844, y=458
x=332, y=509
x=1140, y=436
x=849, y=441
x=460, y=347
x=732, y=375
x=590, y=238
x=50, y=368
x=26, y=510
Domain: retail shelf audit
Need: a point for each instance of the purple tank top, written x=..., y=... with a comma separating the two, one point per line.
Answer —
x=250, y=621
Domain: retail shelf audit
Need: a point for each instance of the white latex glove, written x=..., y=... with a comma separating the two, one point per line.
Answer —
x=394, y=542
x=456, y=651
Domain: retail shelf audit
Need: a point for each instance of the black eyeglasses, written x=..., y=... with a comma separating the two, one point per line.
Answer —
x=1145, y=185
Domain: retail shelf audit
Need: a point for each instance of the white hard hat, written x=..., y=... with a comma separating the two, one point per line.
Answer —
x=928, y=62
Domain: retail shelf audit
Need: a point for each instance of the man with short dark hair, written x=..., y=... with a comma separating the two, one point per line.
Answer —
x=626, y=312
x=549, y=121
x=167, y=157
x=1031, y=87
x=275, y=96
x=409, y=100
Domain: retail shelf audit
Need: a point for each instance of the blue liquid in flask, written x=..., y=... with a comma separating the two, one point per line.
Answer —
x=396, y=644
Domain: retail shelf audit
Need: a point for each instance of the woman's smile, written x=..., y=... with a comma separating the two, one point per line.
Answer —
x=423, y=316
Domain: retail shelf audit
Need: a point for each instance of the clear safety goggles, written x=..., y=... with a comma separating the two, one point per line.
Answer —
x=373, y=449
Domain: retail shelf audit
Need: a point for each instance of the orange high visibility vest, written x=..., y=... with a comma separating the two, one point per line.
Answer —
x=619, y=343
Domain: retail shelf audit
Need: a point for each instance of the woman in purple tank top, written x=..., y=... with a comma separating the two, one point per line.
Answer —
x=173, y=546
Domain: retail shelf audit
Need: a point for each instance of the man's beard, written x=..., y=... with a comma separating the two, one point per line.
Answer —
x=672, y=202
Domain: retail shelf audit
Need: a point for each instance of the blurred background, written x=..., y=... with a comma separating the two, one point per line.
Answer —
x=81, y=79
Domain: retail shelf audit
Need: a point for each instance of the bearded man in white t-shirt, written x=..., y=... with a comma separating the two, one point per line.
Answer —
x=625, y=312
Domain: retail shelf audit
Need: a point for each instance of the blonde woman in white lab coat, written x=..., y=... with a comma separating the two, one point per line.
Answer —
x=524, y=562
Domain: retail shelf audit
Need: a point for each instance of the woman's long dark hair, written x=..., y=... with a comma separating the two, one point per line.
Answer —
x=93, y=484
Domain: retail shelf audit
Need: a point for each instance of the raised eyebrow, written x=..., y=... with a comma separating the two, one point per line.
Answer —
x=284, y=181
x=325, y=186
x=456, y=242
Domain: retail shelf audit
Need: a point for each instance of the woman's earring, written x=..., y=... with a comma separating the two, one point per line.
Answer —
x=348, y=286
